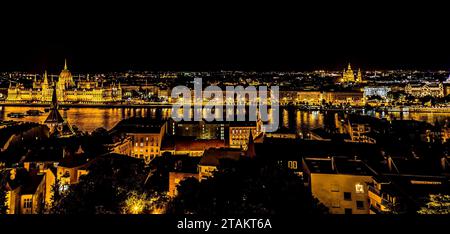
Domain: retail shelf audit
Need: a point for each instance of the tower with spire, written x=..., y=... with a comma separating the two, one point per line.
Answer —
x=359, y=76
x=67, y=90
x=56, y=123
x=65, y=80
x=349, y=76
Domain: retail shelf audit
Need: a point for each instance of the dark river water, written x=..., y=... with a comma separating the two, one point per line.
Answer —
x=88, y=119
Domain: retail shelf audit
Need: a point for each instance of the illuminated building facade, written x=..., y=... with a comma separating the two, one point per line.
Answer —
x=282, y=133
x=239, y=133
x=348, y=76
x=354, y=97
x=32, y=195
x=25, y=192
x=403, y=193
x=68, y=90
x=198, y=129
x=70, y=169
x=146, y=145
x=46, y=168
x=358, y=132
x=189, y=145
x=350, y=97
x=382, y=199
x=423, y=90
x=381, y=91
x=339, y=183
x=146, y=136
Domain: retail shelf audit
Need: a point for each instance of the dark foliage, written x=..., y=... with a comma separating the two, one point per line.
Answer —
x=3, y=207
x=244, y=187
x=105, y=188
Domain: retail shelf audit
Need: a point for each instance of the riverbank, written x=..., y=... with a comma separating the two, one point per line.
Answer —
x=405, y=109
x=89, y=105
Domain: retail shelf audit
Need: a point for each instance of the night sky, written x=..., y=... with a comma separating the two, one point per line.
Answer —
x=241, y=37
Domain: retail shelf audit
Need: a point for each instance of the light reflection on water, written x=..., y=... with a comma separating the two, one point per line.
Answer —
x=88, y=119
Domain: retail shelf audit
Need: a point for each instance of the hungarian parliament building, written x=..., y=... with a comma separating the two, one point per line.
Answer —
x=67, y=90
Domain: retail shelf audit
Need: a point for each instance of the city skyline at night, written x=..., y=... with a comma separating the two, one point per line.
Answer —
x=235, y=117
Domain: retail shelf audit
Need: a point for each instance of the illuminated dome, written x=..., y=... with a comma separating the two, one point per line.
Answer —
x=65, y=75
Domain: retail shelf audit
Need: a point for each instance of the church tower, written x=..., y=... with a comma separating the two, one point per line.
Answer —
x=359, y=77
x=46, y=90
x=45, y=82
x=55, y=122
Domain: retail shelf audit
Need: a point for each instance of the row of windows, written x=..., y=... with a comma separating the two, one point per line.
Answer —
x=151, y=139
x=143, y=156
x=240, y=131
x=359, y=204
x=238, y=142
x=359, y=188
x=151, y=150
x=146, y=144
x=239, y=138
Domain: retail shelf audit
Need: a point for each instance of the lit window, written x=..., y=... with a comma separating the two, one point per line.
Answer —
x=27, y=203
x=359, y=188
x=292, y=165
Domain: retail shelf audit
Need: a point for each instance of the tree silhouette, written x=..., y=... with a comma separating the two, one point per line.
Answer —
x=244, y=187
x=3, y=207
x=106, y=188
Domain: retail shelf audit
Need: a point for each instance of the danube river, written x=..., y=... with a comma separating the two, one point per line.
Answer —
x=88, y=119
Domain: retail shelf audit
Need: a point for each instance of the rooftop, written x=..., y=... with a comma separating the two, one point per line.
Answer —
x=280, y=149
x=32, y=184
x=186, y=143
x=212, y=156
x=139, y=125
x=338, y=165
